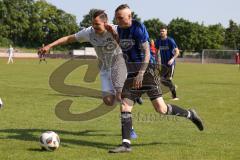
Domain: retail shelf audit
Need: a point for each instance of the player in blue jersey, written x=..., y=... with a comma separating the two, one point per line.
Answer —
x=167, y=52
x=134, y=42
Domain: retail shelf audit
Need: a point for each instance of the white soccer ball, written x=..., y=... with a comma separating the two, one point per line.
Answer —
x=49, y=141
x=1, y=103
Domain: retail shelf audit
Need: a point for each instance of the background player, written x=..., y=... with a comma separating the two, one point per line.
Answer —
x=10, y=54
x=237, y=59
x=167, y=53
x=42, y=55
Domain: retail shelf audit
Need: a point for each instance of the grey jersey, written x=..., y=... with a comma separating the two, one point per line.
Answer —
x=105, y=45
x=108, y=52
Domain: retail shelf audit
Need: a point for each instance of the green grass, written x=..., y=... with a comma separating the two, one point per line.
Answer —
x=212, y=89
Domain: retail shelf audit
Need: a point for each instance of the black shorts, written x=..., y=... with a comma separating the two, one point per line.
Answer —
x=167, y=72
x=150, y=85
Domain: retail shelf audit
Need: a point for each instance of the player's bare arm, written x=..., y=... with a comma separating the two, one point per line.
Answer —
x=176, y=53
x=158, y=57
x=139, y=78
x=61, y=41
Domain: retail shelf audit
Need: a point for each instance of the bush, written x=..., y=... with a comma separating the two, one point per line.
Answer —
x=4, y=42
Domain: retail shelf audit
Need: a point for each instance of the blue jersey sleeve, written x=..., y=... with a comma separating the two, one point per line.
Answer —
x=141, y=33
x=173, y=43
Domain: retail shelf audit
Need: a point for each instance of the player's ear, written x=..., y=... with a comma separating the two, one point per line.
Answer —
x=130, y=16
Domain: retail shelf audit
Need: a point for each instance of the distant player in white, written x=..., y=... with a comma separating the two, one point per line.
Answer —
x=10, y=54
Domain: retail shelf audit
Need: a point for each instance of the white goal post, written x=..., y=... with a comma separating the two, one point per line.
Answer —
x=218, y=56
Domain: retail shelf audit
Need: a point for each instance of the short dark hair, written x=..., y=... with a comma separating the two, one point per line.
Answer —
x=121, y=7
x=101, y=14
x=163, y=27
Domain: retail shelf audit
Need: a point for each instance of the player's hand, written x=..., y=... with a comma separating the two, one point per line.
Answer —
x=137, y=82
x=45, y=49
x=110, y=29
x=170, y=62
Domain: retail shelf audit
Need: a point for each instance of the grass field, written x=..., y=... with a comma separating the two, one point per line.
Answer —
x=212, y=89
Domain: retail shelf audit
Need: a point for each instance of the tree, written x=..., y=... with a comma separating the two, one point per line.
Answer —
x=153, y=27
x=31, y=23
x=195, y=37
x=216, y=35
x=136, y=17
x=232, y=38
x=15, y=19
x=184, y=33
x=49, y=23
x=3, y=15
x=4, y=28
x=87, y=19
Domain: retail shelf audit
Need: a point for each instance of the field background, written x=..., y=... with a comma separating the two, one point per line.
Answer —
x=212, y=89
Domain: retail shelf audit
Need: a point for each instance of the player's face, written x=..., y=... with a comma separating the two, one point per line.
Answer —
x=163, y=33
x=124, y=18
x=98, y=25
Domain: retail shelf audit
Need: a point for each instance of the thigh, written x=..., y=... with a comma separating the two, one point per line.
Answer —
x=152, y=84
x=107, y=87
x=126, y=105
x=128, y=91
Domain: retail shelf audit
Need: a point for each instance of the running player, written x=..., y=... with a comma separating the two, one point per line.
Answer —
x=167, y=53
x=10, y=54
x=109, y=54
x=42, y=55
x=237, y=59
x=134, y=41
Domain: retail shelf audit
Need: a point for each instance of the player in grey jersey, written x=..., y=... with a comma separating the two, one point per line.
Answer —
x=108, y=52
x=112, y=64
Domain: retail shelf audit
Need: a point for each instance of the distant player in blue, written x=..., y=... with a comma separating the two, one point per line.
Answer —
x=134, y=42
x=167, y=52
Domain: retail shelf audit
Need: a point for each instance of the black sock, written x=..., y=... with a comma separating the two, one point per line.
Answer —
x=177, y=111
x=174, y=94
x=126, y=119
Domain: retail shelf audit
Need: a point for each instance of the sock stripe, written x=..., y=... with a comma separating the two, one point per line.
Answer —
x=126, y=141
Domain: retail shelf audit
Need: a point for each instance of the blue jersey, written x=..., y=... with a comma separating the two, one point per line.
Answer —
x=131, y=39
x=166, y=48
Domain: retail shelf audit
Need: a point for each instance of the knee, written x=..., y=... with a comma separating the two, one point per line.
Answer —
x=126, y=107
x=109, y=101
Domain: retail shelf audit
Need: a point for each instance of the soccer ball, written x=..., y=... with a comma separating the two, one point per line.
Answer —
x=1, y=103
x=49, y=141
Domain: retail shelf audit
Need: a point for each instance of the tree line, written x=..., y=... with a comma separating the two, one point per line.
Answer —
x=29, y=23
